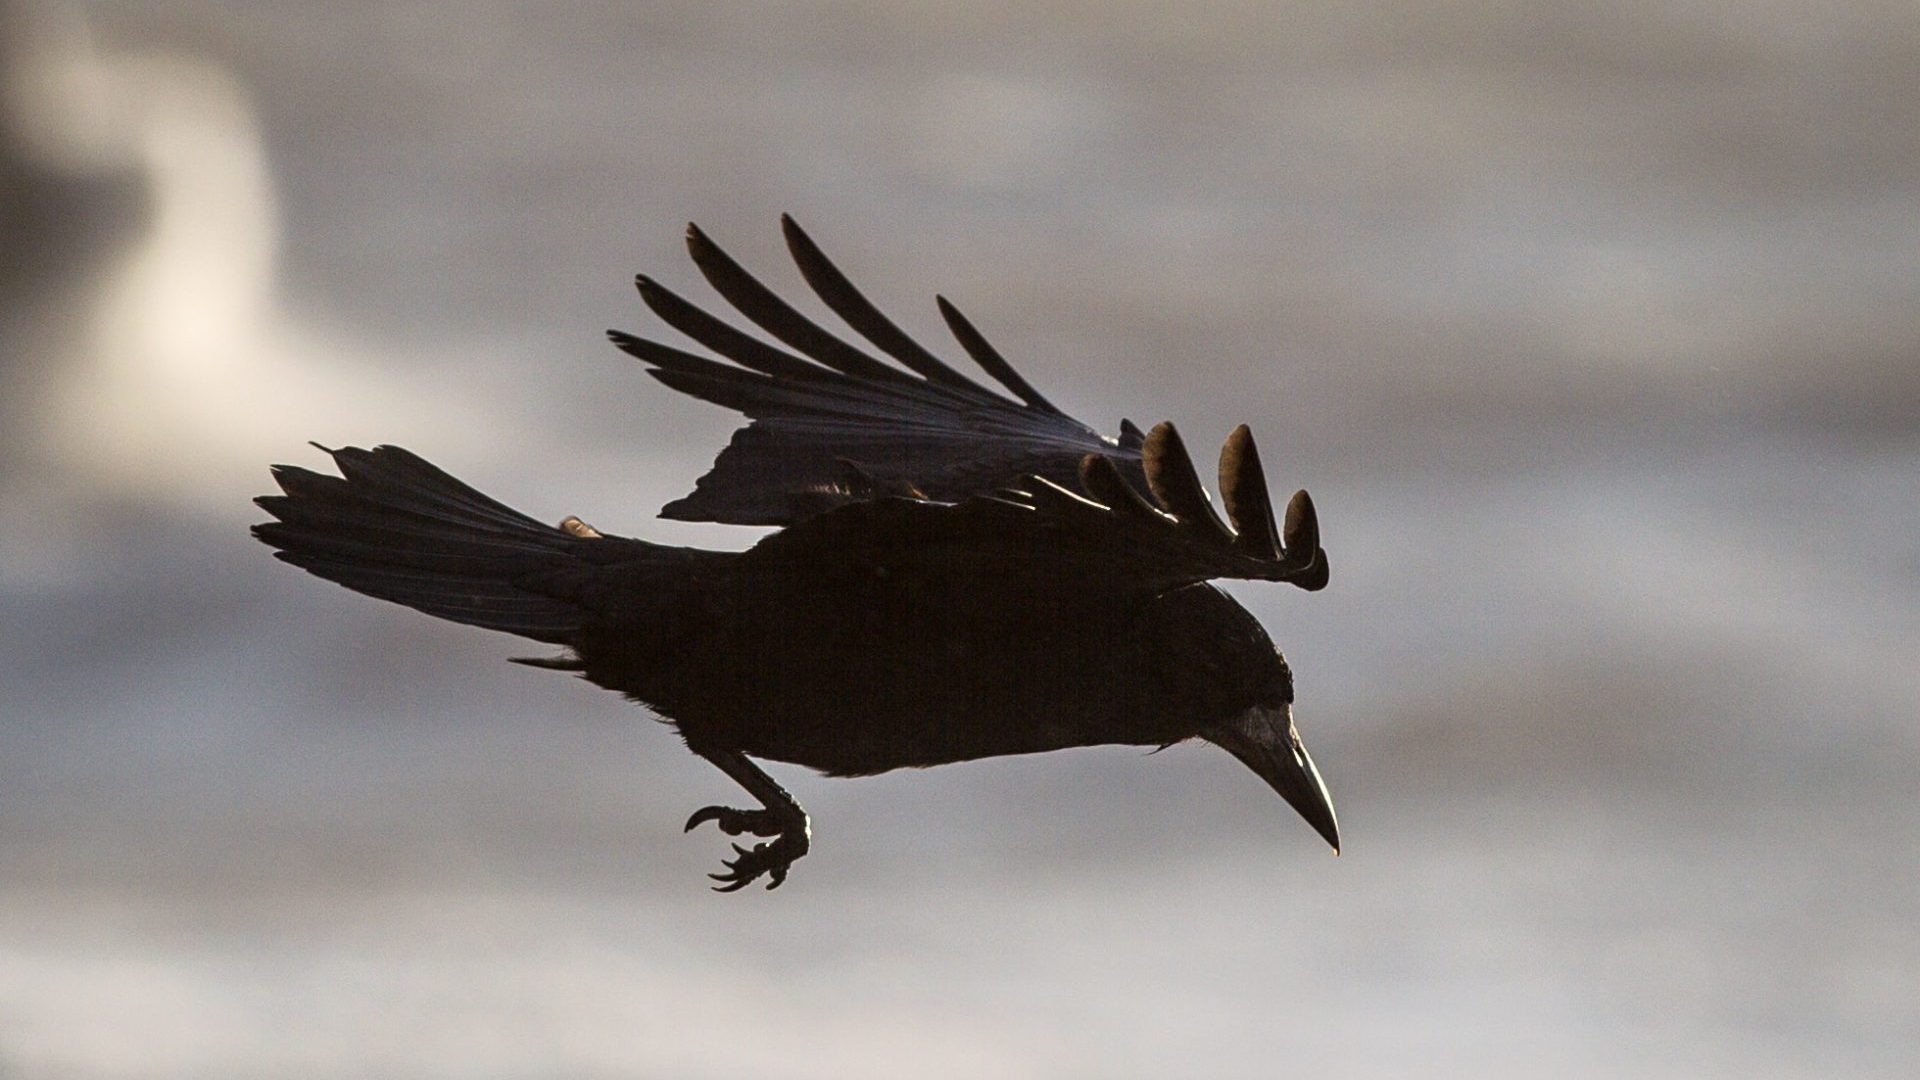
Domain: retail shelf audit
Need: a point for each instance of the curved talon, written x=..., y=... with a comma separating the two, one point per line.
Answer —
x=734, y=822
x=763, y=860
x=740, y=871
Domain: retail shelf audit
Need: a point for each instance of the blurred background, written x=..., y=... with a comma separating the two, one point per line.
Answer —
x=1595, y=332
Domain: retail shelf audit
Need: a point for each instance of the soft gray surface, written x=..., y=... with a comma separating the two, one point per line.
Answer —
x=1593, y=334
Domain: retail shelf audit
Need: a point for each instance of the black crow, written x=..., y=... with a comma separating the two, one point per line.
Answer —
x=939, y=592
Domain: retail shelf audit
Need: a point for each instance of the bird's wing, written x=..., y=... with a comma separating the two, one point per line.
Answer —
x=830, y=422
x=1040, y=539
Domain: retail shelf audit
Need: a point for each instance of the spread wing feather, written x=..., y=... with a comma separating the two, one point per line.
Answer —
x=1038, y=535
x=822, y=408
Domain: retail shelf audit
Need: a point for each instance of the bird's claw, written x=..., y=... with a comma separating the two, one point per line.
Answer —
x=735, y=822
x=791, y=838
x=770, y=859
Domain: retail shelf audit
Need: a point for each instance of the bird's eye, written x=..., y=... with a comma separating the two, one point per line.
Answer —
x=1275, y=694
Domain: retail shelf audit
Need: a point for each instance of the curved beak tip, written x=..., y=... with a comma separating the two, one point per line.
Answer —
x=1328, y=827
x=1265, y=741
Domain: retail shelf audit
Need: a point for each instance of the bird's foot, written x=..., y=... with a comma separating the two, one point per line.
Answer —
x=771, y=859
x=735, y=822
x=779, y=817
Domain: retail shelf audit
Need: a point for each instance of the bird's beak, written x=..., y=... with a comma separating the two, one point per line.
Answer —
x=1265, y=741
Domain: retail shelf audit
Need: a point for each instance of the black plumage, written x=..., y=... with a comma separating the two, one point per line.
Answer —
x=939, y=592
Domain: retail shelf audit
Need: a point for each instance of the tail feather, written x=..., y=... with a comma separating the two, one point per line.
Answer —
x=395, y=527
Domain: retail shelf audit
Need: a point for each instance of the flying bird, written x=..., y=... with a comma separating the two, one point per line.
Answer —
x=960, y=573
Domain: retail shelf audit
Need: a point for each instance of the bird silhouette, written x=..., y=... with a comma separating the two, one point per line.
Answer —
x=958, y=575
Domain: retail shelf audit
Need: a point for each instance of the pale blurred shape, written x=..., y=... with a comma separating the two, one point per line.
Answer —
x=188, y=375
x=182, y=329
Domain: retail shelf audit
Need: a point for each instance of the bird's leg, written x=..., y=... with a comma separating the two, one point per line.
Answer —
x=779, y=817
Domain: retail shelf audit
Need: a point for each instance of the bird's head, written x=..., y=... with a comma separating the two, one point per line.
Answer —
x=1263, y=737
x=1220, y=659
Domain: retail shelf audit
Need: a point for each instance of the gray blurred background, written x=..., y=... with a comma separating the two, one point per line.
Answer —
x=1595, y=333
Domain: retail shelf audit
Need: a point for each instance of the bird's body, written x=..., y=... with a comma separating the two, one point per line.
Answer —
x=856, y=678
x=887, y=625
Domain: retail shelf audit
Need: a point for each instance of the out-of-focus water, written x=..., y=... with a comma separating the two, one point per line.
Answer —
x=1592, y=333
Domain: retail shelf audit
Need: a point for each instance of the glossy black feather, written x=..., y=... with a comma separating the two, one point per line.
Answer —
x=1176, y=483
x=828, y=402
x=1243, y=489
x=989, y=358
x=858, y=312
x=777, y=317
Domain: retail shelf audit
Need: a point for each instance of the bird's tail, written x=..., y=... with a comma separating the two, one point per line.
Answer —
x=395, y=527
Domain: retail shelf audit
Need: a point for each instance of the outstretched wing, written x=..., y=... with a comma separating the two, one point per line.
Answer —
x=830, y=422
x=1044, y=539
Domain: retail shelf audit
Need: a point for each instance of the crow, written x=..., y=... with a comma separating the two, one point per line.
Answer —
x=958, y=575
